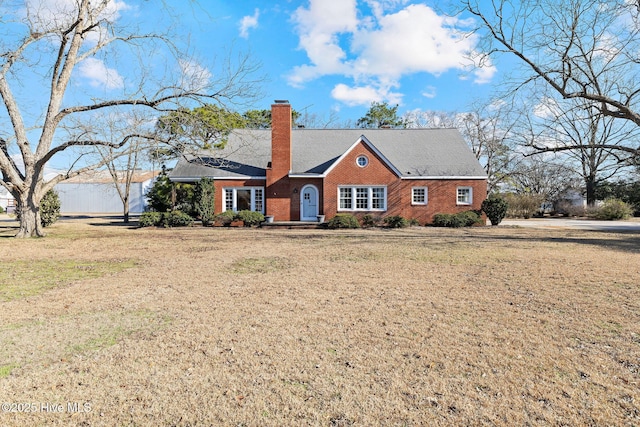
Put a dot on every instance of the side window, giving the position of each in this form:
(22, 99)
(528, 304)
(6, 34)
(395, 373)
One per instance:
(419, 196)
(465, 196)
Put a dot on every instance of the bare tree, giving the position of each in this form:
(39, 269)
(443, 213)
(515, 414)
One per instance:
(586, 138)
(486, 128)
(580, 49)
(54, 48)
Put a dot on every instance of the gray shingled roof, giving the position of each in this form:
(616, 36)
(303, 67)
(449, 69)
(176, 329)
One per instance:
(412, 152)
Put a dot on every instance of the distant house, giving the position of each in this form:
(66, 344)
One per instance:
(298, 174)
(95, 193)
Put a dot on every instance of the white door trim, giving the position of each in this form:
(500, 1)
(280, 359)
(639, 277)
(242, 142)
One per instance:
(317, 195)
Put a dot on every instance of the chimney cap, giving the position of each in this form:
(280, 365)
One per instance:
(281, 101)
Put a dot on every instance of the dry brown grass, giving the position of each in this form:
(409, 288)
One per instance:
(251, 327)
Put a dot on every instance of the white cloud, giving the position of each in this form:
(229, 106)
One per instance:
(195, 77)
(430, 92)
(547, 109)
(46, 15)
(249, 22)
(379, 50)
(99, 74)
(364, 95)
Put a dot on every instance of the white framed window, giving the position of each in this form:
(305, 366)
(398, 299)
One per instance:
(465, 196)
(360, 198)
(346, 202)
(244, 198)
(419, 195)
(362, 161)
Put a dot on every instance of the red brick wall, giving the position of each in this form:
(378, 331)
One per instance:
(220, 185)
(297, 184)
(442, 194)
(279, 189)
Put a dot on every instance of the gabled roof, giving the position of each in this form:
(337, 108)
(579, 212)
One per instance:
(412, 153)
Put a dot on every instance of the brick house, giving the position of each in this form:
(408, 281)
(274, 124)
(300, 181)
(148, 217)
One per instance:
(298, 174)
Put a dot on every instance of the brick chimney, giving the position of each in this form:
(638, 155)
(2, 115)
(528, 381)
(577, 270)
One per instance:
(278, 189)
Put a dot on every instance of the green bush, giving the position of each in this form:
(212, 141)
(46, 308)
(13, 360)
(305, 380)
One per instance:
(496, 209)
(250, 218)
(159, 195)
(176, 219)
(343, 221)
(49, 208)
(226, 217)
(396, 221)
(369, 220)
(204, 200)
(613, 209)
(469, 218)
(150, 219)
(1, 209)
(461, 219)
(447, 220)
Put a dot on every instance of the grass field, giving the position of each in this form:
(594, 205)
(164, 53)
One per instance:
(104, 325)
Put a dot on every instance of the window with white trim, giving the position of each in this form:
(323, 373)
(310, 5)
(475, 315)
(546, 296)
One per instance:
(465, 196)
(358, 198)
(244, 198)
(362, 161)
(419, 196)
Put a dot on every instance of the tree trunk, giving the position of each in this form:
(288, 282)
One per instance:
(30, 224)
(125, 213)
(591, 191)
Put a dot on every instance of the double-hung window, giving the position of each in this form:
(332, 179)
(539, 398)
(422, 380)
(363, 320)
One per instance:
(362, 198)
(419, 196)
(465, 196)
(244, 198)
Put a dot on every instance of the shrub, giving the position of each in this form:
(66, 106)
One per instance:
(369, 220)
(1, 209)
(150, 219)
(413, 222)
(159, 195)
(496, 209)
(469, 218)
(49, 208)
(613, 209)
(250, 218)
(461, 219)
(396, 221)
(226, 217)
(523, 205)
(447, 220)
(343, 221)
(204, 200)
(176, 219)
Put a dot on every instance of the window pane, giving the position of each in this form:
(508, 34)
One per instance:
(377, 198)
(228, 199)
(258, 200)
(345, 198)
(464, 195)
(362, 198)
(243, 199)
(419, 196)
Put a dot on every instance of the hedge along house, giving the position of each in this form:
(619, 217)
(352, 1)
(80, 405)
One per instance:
(298, 174)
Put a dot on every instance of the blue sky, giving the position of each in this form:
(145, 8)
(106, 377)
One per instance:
(329, 58)
(340, 55)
